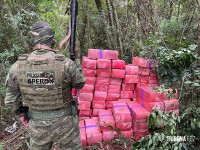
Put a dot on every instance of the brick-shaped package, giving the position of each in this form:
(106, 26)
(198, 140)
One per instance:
(171, 104)
(89, 63)
(106, 120)
(101, 87)
(113, 97)
(115, 81)
(90, 80)
(88, 88)
(118, 64)
(143, 78)
(127, 134)
(99, 104)
(104, 73)
(114, 88)
(126, 94)
(131, 79)
(109, 104)
(128, 86)
(84, 105)
(109, 135)
(153, 78)
(104, 63)
(95, 112)
(131, 70)
(89, 72)
(144, 71)
(85, 96)
(117, 73)
(102, 80)
(124, 126)
(102, 54)
(143, 62)
(82, 133)
(85, 113)
(100, 96)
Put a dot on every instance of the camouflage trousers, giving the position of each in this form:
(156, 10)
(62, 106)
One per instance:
(63, 133)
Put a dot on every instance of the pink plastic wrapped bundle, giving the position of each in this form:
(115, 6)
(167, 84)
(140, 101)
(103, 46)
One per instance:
(124, 126)
(115, 81)
(103, 72)
(125, 100)
(131, 79)
(109, 135)
(89, 63)
(131, 70)
(85, 96)
(117, 73)
(118, 64)
(139, 135)
(85, 113)
(89, 72)
(133, 105)
(98, 104)
(100, 96)
(103, 63)
(153, 79)
(101, 80)
(114, 88)
(84, 105)
(113, 97)
(90, 80)
(92, 131)
(101, 87)
(143, 78)
(109, 104)
(102, 54)
(121, 112)
(171, 104)
(87, 88)
(126, 94)
(96, 112)
(140, 126)
(127, 134)
(144, 71)
(82, 133)
(106, 120)
(142, 62)
(128, 86)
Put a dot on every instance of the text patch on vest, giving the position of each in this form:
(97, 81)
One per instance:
(41, 78)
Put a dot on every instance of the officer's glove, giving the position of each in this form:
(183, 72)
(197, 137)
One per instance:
(24, 118)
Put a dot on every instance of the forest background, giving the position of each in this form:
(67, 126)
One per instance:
(167, 31)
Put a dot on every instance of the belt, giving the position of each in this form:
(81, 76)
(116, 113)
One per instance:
(47, 115)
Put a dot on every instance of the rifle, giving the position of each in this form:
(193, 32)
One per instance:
(73, 11)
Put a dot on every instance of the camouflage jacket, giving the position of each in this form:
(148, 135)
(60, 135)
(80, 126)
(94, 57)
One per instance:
(13, 97)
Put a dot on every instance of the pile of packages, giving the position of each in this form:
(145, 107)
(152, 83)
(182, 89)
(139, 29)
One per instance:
(118, 97)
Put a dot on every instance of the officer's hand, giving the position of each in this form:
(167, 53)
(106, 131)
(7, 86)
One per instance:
(24, 121)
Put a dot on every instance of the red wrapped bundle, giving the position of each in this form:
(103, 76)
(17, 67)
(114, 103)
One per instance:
(109, 104)
(89, 63)
(133, 105)
(124, 126)
(121, 112)
(100, 96)
(144, 71)
(98, 104)
(118, 64)
(102, 54)
(126, 94)
(153, 79)
(132, 70)
(89, 72)
(140, 126)
(103, 72)
(113, 97)
(125, 100)
(104, 63)
(139, 135)
(117, 73)
(131, 79)
(143, 79)
(142, 62)
(90, 80)
(115, 81)
(92, 131)
(85, 113)
(127, 134)
(128, 87)
(87, 88)
(84, 105)
(101, 87)
(106, 120)
(85, 96)
(101, 80)
(82, 133)
(109, 135)
(171, 104)
(114, 88)
(96, 112)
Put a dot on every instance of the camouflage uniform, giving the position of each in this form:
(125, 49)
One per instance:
(43, 129)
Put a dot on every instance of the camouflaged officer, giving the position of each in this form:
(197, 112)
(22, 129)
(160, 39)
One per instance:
(40, 83)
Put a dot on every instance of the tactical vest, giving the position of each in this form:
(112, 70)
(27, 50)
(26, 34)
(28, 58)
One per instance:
(41, 81)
